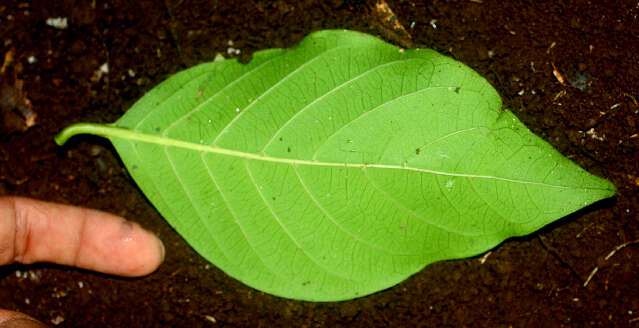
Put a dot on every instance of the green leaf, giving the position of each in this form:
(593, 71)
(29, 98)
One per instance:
(342, 166)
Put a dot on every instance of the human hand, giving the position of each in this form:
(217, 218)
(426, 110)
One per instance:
(36, 231)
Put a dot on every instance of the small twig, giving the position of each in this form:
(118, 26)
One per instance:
(618, 248)
(592, 274)
(610, 254)
(174, 273)
(583, 230)
(634, 100)
(556, 254)
(483, 259)
(557, 74)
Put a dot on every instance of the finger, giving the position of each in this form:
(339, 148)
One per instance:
(10, 319)
(36, 231)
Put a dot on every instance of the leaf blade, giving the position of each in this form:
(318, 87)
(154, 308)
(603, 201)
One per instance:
(342, 166)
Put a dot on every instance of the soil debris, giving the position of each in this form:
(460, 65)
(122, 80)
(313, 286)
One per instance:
(387, 23)
(16, 111)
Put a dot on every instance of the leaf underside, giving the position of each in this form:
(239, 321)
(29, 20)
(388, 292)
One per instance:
(342, 166)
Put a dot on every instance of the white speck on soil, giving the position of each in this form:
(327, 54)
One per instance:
(594, 135)
(57, 320)
(58, 22)
(97, 75)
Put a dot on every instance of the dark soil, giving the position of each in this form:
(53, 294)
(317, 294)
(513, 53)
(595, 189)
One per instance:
(592, 117)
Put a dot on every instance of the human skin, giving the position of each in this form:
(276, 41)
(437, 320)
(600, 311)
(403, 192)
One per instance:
(37, 231)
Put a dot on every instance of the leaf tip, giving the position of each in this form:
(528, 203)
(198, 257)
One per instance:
(612, 190)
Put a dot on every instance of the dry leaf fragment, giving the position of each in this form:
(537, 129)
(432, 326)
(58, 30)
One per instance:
(558, 75)
(15, 108)
(385, 21)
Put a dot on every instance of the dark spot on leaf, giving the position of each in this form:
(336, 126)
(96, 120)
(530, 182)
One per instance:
(417, 151)
(306, 283)
(134, 166)
(281, 139)
(288, 149)
(157, 129)
(457, 89)
(273, 197)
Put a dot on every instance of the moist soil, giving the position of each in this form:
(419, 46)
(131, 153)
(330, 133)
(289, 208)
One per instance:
(568, 69)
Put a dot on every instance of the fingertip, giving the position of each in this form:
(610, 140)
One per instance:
(140, 251)
(37, 231)
(156, 250)
(10, 319)
(112, 245)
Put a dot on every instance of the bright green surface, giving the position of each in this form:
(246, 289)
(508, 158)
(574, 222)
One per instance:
(342, 166)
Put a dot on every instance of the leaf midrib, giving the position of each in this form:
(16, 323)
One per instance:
(111, 131)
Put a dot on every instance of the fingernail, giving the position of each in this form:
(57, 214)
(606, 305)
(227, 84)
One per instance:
(163, 249)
